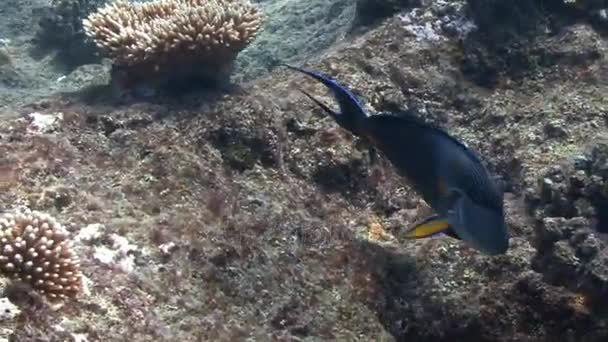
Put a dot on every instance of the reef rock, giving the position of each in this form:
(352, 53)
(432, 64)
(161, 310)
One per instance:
(571, 208)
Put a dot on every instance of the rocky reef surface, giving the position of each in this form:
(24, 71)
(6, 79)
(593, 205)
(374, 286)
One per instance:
(248, 215)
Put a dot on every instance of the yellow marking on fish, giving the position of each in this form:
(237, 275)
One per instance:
(427, 229)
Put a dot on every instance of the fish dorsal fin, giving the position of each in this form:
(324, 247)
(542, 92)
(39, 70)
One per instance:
(411, 118)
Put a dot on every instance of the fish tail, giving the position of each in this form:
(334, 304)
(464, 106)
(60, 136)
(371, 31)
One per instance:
(320, 104)
(351, 113)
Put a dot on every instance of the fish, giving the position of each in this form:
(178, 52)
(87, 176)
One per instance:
(447, 174)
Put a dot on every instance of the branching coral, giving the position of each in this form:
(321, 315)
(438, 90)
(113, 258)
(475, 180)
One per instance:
(34, 249)
(174, 36)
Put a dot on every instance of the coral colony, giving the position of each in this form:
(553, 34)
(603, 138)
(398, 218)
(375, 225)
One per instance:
(34, 249)
(174, 38)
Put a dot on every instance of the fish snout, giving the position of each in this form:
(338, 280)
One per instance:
(483, 228)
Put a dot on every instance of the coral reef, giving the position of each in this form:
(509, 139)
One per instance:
(596, 11)
(60, 28)
(373, 11)
(293, 31)
(251, 216)
(36, 71)
(514, 37)
(173, 41)
(34, 250)
(504, 21)
(571, 208)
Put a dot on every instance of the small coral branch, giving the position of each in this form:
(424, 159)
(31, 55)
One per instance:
(34, 250)
(170, 37)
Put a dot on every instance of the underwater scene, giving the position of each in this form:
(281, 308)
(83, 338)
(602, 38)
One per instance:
(304, 170)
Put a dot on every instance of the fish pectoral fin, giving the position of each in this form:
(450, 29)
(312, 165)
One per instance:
(451, 233)
(429, 227)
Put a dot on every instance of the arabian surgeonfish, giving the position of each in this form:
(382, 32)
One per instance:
(447, 174)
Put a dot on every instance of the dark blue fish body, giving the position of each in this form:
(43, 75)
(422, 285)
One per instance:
(410, 149)
(448, 175)
(427, 155)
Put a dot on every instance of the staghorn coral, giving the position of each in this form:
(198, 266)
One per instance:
(34, 249)
(174, 38)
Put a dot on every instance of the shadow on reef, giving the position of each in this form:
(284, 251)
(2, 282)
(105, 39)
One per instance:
(184, 95)
(403, 307)
(520, 304)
